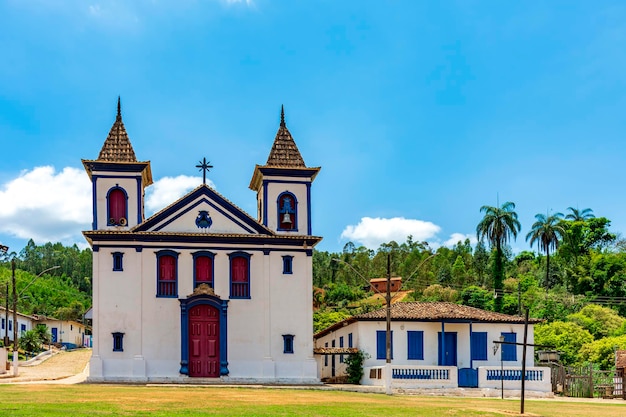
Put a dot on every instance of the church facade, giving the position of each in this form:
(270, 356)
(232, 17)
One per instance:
(201, 291)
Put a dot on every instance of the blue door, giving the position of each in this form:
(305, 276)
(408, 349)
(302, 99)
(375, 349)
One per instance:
(447, 350)
(468, 378)
(54, 334)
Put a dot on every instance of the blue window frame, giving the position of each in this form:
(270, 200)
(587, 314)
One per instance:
(287, 211)
(381, 344)
(479, 346)
(415, 344)
(117, 206)
(3, 324)
(288, 343)
(203, 271)
(22, 329)
(350, 340)
(509, 352)
(239, 275)
(10, 325)
(117, 261)
(287, 264)
(326, 356)
(118, 342)
(341, 345)
(167, 273)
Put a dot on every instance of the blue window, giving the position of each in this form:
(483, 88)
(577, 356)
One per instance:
(10, 325)
(350, 340)
(341, 345)
(117, 261)
(479, 346)
(22, 329)
(415, 348)
(288, 343)
(287, 212)
(287, 264)
(239, 275)
(509, 352)
(167, 273)
(381, 344)
(2, 324)
(118, 342)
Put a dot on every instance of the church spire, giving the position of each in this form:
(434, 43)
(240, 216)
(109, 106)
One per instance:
(117, 147)
(282, 116)
(284, 151)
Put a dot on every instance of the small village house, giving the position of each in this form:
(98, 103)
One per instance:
(434, 345)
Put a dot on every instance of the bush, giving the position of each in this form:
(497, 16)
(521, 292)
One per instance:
(354, 366)
(568, 338)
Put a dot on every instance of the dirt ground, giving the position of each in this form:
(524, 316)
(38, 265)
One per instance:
(60, 366)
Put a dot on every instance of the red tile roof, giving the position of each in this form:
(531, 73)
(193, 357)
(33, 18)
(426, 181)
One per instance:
(117, 147)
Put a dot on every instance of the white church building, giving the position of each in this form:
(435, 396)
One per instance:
(201, 291)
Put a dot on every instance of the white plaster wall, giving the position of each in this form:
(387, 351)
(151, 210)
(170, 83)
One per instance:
(127, 181)
(68, 331)
(325, 371)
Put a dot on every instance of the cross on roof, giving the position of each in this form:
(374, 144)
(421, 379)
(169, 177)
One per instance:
(204, 167)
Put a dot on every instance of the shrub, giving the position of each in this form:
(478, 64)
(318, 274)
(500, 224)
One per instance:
(354, 366)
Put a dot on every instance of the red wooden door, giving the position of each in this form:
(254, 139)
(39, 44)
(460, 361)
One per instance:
(204, 342)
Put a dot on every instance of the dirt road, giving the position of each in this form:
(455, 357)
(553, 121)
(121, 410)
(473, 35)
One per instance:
(57, 368)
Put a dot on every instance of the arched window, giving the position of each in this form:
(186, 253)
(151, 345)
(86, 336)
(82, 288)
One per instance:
(239, 275)
(116, 207)
(203, 268)
(167, 274)
(287, 212)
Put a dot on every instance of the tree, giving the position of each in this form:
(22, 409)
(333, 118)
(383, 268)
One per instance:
(579, 215)
(602, 352)
(30, 341)
(497, 226)
(568, 338)
(597, 320)
(547, 233)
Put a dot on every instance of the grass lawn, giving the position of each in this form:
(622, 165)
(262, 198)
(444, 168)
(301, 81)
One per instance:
(116, 400)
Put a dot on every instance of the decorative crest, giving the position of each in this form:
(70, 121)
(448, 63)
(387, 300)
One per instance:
(204, 167)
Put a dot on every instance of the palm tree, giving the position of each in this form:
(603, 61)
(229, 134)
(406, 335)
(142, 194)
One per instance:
(579, 215)
(548, 232)
(498, 224)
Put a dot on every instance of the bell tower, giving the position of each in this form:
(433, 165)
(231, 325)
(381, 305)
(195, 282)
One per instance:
(118, 181)
(283, 186)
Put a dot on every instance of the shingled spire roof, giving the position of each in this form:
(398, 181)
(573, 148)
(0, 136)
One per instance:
(284, 151)
(117, 147)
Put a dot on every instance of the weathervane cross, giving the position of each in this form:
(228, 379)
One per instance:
(204, 167)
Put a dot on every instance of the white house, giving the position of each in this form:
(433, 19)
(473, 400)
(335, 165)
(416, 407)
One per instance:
(434, 345)
(24, 324)
(67, 332)
(201, 291)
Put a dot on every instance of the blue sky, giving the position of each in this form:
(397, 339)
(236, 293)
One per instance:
(419, 112)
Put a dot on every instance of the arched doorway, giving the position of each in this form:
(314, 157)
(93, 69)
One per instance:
(204, 341)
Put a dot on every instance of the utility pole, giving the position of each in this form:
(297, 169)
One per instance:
(524, 361)
(388, 335)
(15, 352)
(6, 318)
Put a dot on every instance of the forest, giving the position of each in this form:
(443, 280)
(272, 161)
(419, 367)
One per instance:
(575, 283)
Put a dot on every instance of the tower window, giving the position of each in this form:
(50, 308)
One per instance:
(117, 261)
(287, 264)
(287, 212)
(288, 343)
(117, 212)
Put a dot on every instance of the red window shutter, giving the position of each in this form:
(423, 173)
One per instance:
(240, 269)
(204, 265)
(117, 205)
(167, 268)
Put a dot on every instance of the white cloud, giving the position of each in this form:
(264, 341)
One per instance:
(459, 237)
(169, 189)
(371, 232)
(49, 206)
(46, 205)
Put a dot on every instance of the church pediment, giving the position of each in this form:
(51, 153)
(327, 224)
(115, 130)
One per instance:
(203, 211)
